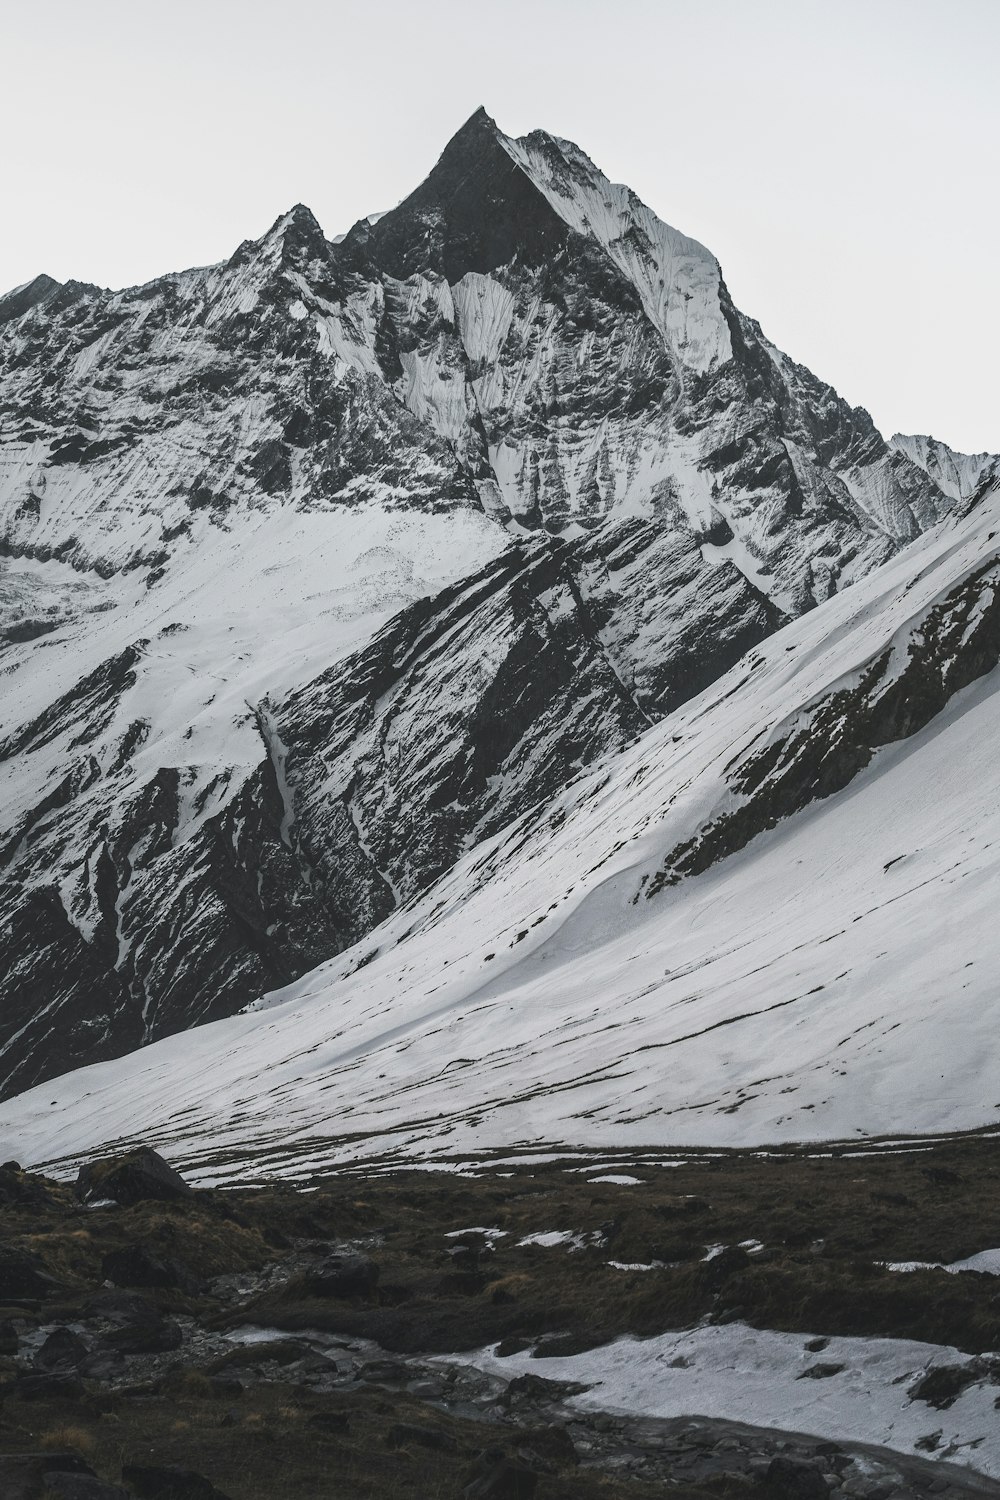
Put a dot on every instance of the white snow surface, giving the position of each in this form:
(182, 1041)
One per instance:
(985, 1262)
(676, 277)
(834, 979)
(753, 1375)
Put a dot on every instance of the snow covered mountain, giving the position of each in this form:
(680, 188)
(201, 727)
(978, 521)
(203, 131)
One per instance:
(769, 918)
(324, 565)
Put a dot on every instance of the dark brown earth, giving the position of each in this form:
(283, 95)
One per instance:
(122, 1327)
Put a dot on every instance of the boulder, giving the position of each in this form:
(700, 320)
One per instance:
(138, 1265)
(499, 1478)
(62, 1350)
(19, 1190)
(159, 1337)
(345, 1276)
(942, 1386)
(133, 1178)
(22, 1276)
(23, 1474)
(121, 1307)
(794, 1479)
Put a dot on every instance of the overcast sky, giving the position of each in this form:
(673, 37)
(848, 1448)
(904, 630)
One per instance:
(840, 157)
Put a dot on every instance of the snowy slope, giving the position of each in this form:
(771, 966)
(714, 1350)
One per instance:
(768, 919)
(224, 494)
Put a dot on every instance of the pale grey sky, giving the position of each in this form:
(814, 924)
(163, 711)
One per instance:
(840, 157)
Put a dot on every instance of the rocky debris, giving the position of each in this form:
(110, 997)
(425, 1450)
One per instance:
(136, 1177)
(538, 1391)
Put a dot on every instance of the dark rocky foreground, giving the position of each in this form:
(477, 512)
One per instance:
(271, 1341)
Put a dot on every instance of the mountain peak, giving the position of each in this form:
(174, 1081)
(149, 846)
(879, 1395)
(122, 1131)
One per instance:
(475, 211)
(30, 294)
(295, 235)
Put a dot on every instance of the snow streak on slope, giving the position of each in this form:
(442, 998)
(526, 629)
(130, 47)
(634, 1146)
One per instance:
(571, 980)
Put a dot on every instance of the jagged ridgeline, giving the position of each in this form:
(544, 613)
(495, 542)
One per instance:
(324, 564)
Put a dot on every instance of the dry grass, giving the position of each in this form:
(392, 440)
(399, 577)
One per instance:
(69, 1437)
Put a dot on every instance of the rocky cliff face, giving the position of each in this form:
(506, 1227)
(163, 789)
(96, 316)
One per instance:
(321, 565)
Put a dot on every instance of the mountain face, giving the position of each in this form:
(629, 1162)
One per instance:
(769, 918)
(324, 565)
(963, 476)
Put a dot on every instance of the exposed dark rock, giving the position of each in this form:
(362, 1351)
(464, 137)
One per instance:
(22, 1475)
(63, 1349)
(145, 1338)
(942, 1386)
(22, 1276)
(138, 1265)
(343, 1276)
(139, 1176)
(499, 1478)
(794, 1479)
(402, 1434)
